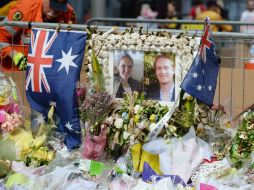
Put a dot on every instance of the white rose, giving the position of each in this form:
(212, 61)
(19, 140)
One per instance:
(152, 126)
(118, 123)
(153, 48)
(139, 47)
(145, 48)
(126, 135)
(135, 36)
(137, 108)
(139, 42)
(143, 37)
(109, 46)
(124, 47)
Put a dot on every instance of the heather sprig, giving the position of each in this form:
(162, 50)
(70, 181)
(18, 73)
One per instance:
(95, 108)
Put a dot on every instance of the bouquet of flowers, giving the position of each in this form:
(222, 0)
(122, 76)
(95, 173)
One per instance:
(209, 123)
(10, 117)
(243, 142)
(94, 107)
(93, 111)
(131, 122)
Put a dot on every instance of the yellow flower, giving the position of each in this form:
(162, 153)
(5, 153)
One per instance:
(153, 118)
(136, 118)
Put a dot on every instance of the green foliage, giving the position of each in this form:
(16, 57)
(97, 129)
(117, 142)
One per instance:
(98, 77)
(183, 118)
(243, 143)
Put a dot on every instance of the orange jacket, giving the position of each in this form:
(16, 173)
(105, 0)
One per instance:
(15, 38)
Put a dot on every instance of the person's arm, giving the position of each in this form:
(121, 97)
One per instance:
(71, 17)
(242, 27)
(10, 35)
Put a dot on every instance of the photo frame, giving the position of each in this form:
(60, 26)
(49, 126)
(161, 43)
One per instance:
(107, 45)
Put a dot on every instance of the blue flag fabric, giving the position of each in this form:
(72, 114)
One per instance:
(201, 79)
(54, 65)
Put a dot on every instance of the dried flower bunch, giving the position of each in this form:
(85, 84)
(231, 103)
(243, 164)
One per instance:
(94, 109)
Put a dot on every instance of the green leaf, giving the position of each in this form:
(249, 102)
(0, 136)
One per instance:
(8, 150)
(98, 78)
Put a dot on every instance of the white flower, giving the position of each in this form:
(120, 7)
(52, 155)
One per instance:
(243, 136)
(104, 54)
(124, 47)
(126, 135)
(153, 48)
(135, 36)
(118, 123)
(132, 47)
(143, 37)
(152, 126)
(168, 48)
(112, 41)
(145, 48)
(109, 46)
(186, 96)
(139, 47)
(139, 42)
(137, 108)
(104, 48)
(93, 35)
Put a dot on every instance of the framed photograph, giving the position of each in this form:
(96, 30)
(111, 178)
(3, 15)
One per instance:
(160, 77)
(142, 51)
(127, 69)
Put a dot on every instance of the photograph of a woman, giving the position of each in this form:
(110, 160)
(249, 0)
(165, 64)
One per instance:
(128, 72)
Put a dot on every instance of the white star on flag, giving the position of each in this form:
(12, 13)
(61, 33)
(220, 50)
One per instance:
(51, 103)
(67, 61)
(68, 126)
(40, 119)
(199, 87)
(195, 75)
(210, 88)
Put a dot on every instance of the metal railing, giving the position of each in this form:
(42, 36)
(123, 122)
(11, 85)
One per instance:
(235, 83)
(81, 27)
(104, 20)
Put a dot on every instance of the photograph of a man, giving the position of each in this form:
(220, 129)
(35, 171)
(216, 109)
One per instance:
(164, 70)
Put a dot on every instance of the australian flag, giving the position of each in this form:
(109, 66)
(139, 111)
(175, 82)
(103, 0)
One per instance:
(54, 65)
(201, 79)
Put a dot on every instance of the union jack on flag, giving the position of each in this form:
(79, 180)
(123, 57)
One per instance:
(201, 79)
(206, 42)
(54, 65)
(38, 60)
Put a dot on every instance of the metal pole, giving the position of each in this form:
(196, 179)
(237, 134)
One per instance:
(98, 8)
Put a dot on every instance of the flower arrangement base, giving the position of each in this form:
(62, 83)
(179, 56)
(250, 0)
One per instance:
(94, 145)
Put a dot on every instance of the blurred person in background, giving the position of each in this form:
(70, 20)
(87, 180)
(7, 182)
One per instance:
(171, 15)
(197, 8)
(83, 10)
(223, 10)
(5, 6)
(248, 16)
(146, 12)
(213, 11)
(128, 8)
(14, 40)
